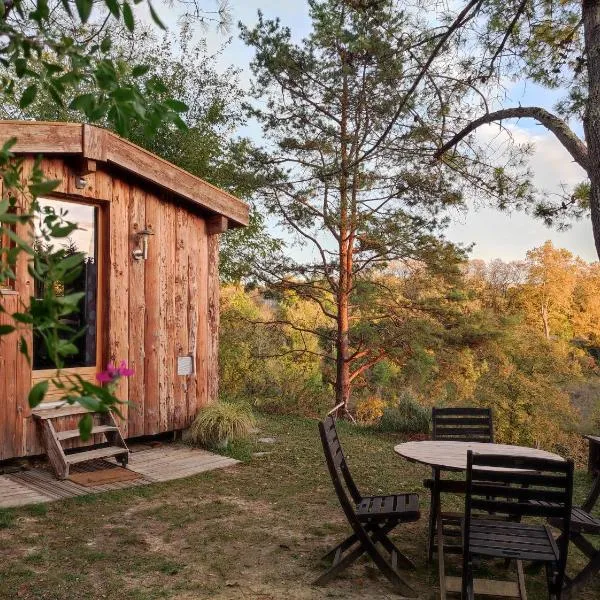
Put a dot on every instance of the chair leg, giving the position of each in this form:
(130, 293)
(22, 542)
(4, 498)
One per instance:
(583, 578)
(380, 533)
(467, 592)
(368, 545)
(349, 541)
(352, 539)
(521, 581)
(390, 572)
(339, 565)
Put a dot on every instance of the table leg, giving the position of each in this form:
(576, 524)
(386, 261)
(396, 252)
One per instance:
(433, 511)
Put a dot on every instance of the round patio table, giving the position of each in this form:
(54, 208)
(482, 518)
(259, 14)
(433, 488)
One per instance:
(452, 456)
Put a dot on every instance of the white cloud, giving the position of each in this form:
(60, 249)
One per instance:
(509, 236)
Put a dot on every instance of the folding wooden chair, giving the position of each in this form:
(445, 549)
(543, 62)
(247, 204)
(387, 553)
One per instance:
(461, 424)
(544, 489)
(371, 519)
(583, 524)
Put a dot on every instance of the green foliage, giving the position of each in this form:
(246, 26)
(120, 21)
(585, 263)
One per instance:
(267, 364)
(57, 52)
(220, 423)
(406, 416)
(482, 346)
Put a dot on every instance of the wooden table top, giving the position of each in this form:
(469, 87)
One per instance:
(452, 456)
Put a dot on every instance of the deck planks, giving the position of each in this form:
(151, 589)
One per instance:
(165, 463)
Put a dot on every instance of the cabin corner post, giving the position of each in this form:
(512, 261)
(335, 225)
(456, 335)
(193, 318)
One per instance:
(212, 349)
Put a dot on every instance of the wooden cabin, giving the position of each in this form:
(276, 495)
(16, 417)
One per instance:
(150, 233)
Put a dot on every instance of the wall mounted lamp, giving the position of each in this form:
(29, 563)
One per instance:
(141, 253)
(80, 182)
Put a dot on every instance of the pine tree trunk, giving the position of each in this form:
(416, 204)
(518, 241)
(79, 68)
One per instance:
(342, 384)
(591, 122)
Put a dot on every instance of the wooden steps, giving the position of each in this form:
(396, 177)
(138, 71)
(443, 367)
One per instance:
(113, 444)
(104, 452)
(55, 412)
(74, 433)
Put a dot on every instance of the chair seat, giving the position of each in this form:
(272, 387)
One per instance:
(403, 507)
(581, 522)
(512, 540)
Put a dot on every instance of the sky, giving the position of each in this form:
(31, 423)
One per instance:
(494, 234)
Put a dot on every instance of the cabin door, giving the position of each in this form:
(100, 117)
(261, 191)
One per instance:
(87, 352)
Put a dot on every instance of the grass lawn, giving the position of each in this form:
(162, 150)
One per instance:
(254, 531)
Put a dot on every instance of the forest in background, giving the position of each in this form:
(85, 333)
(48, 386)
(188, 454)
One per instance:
(522, 337)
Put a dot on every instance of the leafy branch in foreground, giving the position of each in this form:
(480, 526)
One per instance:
(50, 48)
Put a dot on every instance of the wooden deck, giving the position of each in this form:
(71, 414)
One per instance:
(164, 463)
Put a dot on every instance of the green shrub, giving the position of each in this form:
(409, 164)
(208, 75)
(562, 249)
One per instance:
(220, 423)
(407, 416)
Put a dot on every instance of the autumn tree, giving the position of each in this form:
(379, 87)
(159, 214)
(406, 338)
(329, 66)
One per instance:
(548, 293)
(585, 312)
(344, 172)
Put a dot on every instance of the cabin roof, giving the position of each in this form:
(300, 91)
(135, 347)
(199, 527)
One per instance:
(102, 146)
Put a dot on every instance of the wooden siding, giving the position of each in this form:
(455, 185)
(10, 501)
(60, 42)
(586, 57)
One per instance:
(154, 311)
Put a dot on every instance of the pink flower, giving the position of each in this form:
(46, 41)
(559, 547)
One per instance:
(113, 373)
(104, 377)
(124, 371)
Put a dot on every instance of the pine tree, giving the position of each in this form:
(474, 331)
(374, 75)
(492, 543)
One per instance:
(346, 172)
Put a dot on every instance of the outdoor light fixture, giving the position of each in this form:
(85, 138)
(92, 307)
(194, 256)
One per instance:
(142, 252)
(80, 182)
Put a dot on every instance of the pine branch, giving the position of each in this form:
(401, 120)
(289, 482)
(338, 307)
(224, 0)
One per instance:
(565, 135)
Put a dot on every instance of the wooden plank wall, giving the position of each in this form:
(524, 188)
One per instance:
(154, 310)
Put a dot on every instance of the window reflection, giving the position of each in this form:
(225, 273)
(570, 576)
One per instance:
(83, 239)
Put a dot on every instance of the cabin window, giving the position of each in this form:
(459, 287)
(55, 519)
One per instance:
(84, 239)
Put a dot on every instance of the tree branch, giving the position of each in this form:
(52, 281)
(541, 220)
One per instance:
(573, 144)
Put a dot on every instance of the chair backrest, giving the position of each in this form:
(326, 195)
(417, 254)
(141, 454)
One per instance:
(462, 424)
(341, 477)
(519, 486)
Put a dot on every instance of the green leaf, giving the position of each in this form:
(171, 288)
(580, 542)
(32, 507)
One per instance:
(140, 70)
(43, 187)
(155, 16)
(90, 403)
(84, 8)
(28, 96)
(6, 329)
(20, 67)
(113, 6)
(22, 317)
(128, 16)
(37, 393)
(70, 262)
(84, 102)
(23, 349)
(106, 44)
(176, 105)
(86, 424)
